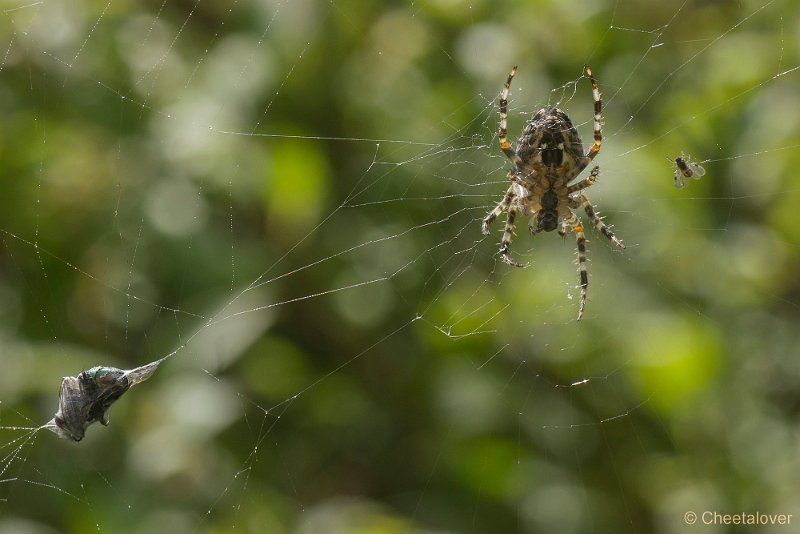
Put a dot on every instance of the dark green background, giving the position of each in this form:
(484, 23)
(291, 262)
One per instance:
(289, 195)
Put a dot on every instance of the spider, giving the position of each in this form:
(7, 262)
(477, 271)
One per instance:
(549, 155)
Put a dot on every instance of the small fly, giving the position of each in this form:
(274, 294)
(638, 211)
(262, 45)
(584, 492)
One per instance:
(686, 169)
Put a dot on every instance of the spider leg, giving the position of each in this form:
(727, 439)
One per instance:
(582, 201)
(533, 224)
(503, 134)
(500, 208)
(508, 234)
(588, 182)
(577, 227)
(563, 230)
(508, 205)
(598, 117)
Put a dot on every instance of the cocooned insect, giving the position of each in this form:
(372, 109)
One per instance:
(85, 399)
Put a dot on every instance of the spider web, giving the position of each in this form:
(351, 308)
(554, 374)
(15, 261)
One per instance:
(284, 200)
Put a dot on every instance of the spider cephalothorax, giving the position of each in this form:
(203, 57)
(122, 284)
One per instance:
(548, 156)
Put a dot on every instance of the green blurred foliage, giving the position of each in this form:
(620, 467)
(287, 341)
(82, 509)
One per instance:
(287, 195)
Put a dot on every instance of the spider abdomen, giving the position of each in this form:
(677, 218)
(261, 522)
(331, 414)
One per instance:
(549, 140)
